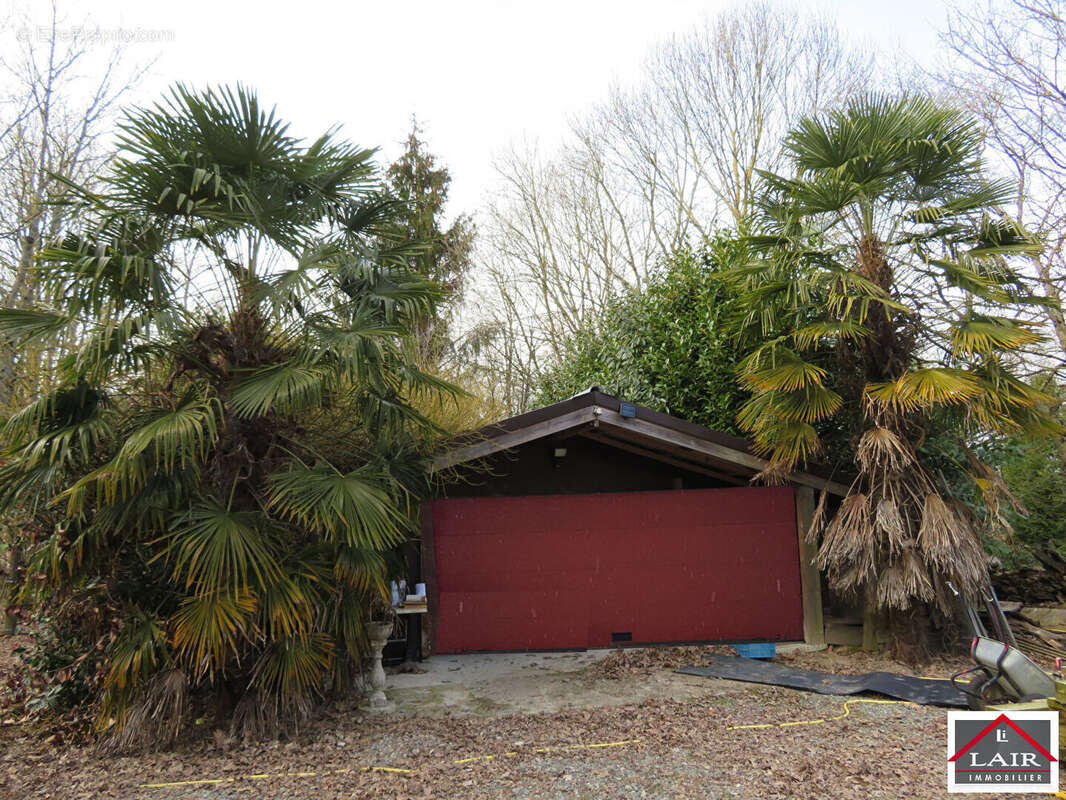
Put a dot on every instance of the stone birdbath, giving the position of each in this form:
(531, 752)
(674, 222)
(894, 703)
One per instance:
(378, 634)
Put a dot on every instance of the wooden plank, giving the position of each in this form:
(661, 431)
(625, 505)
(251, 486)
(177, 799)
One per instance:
(810, 580)
(429, 575)
(752, 462)
(1030, 705)
(840, 634)
(549, 427)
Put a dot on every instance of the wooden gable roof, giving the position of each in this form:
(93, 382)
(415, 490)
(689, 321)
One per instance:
(640, 430)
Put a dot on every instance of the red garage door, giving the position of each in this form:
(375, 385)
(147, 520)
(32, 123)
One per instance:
(574, 571)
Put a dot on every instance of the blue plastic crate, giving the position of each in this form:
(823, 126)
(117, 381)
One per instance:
(756, 649)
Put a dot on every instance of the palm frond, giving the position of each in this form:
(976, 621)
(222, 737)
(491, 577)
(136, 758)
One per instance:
(787, 374)
(139, 650)
(345, 507)
(108, 270)
(981, 335)
(160, 439)
(24, 324)
(287, 607)
(215, 549)
(925, 388)
(285, 386)
(63, 407)
(174, 435)
(810, 403)
(109, 347)
(207, 628)
(846, 329)
(294, 665)
(360, 568)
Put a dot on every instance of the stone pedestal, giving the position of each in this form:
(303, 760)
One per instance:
(378, 633)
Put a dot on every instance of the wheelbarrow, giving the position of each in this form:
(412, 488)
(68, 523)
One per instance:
(1001, 673)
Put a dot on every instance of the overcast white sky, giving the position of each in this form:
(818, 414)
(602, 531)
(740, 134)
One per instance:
(477, 74)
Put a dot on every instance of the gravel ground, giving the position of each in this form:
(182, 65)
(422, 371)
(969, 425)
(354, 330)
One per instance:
(684, 748)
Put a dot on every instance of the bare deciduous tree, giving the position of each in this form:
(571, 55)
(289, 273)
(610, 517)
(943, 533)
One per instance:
(60, 117)
(1008, 61)
(654, 167)
(52, 122)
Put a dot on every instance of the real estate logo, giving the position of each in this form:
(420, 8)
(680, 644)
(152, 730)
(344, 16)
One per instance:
(1001, 752)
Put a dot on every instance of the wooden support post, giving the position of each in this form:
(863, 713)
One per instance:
(810, 580)
(429, 576)
(413, 623)
(869, 626)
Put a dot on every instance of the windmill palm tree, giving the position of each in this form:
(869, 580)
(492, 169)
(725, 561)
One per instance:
(886, 299)
(229, 454)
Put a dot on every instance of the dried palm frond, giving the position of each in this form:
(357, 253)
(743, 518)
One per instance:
(847, 581)
(851, 523)
(903, 582)
(817, 519)
(259, 715)
(940, 531)
(155, 717)
(950, 545)
(881, 450)
(847, 537)
(889, 521)
(775, 473)
(994, 491)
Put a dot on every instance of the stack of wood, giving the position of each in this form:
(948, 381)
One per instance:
(1046, 584)
(1040, 631)
(1034, 600)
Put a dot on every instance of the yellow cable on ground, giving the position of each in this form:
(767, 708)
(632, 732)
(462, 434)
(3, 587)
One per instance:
(556, 748)
(265, 775)
(598, 745)
(847, 712)
(551, 749)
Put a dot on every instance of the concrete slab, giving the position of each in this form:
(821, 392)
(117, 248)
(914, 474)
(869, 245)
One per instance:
(469, 668)
(526, 683)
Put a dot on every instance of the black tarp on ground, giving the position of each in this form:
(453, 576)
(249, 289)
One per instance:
(927, 691)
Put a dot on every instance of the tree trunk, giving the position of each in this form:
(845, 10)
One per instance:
(10, 627)
(1054, 312)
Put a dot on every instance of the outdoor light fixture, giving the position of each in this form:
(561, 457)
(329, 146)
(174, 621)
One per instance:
(628, 410)
(560, 452)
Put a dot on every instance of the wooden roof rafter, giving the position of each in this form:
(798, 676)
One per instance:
(681, 463)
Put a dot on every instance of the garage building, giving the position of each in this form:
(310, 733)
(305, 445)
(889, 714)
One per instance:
(593, 523)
